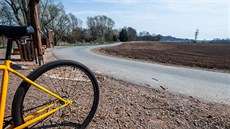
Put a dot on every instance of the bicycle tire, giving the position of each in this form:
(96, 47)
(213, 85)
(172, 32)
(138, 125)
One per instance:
(58, 72)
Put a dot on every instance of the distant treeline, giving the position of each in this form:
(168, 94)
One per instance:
(221, 41)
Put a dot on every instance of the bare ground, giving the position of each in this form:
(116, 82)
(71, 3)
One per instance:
(208, 56)
(124, 105)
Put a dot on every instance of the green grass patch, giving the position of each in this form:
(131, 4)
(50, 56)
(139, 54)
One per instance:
(84, 44)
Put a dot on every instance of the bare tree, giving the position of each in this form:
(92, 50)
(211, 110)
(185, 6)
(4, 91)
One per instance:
(6, 14)
(17, 10)
(54, 17)
(100, 26)
(59, 25)
(74, 22)
(48, 12)
(51, 15)
(74, 31)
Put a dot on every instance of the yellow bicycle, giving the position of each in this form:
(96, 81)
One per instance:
(59, 94)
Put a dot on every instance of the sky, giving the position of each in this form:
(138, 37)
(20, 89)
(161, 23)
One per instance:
(178, 18)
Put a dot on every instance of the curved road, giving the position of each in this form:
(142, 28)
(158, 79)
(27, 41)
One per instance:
(207, 85)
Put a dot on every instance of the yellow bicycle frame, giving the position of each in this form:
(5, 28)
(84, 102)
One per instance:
(37, 115)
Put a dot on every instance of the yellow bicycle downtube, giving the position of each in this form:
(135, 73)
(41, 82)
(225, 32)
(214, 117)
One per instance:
(4, 88)
(37, 85)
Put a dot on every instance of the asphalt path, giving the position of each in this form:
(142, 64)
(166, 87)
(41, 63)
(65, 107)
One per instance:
(202, 84)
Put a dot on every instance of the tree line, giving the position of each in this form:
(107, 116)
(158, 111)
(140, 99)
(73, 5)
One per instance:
(66, 26)
(220, 41)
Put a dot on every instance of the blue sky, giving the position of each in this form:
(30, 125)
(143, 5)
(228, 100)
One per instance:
(179, 18)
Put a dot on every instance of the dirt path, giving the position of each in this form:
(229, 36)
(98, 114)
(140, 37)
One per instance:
(124, 105)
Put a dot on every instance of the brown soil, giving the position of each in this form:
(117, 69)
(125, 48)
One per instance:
(210, 56)
(124, 105)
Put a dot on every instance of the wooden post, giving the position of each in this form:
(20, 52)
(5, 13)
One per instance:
(50, 39)
(33, 49)
(30, 48)
(25, 52)
(20, 49)
(36, 36)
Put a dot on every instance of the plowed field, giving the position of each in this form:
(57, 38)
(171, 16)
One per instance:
(211, 56)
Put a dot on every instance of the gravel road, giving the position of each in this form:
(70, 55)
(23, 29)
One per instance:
(206, 85)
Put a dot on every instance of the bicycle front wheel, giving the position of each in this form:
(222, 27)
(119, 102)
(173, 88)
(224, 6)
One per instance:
(70, 80)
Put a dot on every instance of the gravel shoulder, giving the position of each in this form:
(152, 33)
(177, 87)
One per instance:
(125, 105)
